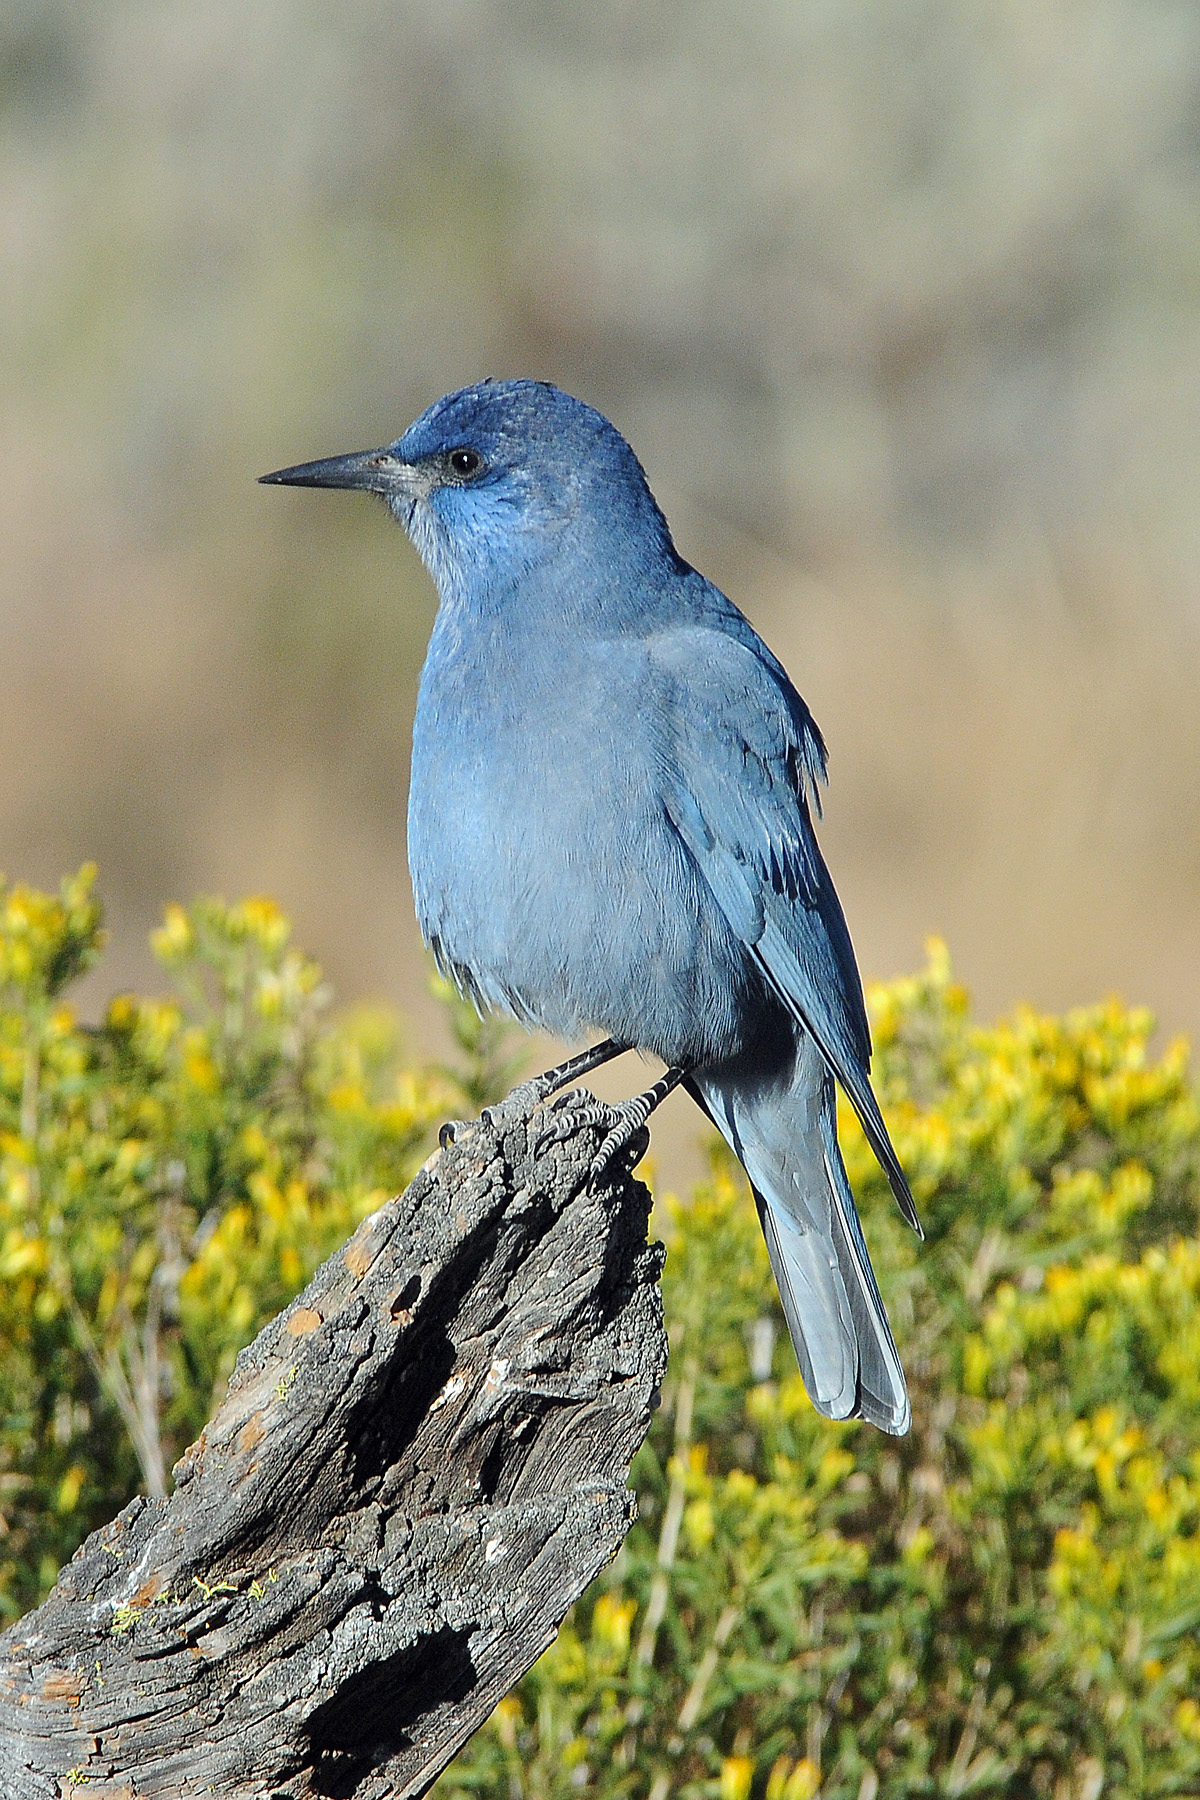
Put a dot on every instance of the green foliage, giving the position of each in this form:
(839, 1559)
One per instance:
(1004, 1603)
(168, 1180)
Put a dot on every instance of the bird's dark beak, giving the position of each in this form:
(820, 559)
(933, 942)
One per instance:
(373, 471)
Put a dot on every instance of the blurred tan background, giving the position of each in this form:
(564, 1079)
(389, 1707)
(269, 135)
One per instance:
(899, 303)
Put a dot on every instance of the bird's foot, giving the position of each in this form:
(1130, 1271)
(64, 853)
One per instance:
(624, 1125)
(581, 1111)
(576, 1111)
(627, 1136)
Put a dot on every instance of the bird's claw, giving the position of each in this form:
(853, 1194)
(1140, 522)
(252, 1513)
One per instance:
(567, 1115)
(628, 1135)
(453, 1129)
(624, 1128)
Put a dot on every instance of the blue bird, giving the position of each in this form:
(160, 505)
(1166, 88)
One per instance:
(610, 828)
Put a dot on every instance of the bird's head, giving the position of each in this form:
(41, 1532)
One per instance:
(492, 478)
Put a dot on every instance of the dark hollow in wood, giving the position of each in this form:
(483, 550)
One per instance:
(418, 1467)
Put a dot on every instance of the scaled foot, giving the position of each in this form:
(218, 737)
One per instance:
(624, 1125)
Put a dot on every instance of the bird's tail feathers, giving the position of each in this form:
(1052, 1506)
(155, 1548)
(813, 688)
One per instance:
(786, 1139)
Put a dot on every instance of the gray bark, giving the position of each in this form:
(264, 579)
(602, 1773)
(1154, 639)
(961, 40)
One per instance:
(418, 1467)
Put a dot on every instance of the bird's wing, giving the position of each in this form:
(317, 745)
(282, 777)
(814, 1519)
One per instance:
(741, 757)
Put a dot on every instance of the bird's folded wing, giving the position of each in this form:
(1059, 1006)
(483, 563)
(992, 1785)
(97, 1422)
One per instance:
(741, 757)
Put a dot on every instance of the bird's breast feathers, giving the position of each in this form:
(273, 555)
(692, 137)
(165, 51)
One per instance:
(566, 847)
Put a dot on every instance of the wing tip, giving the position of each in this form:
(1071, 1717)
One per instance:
(912, 1216)
(898, 1182)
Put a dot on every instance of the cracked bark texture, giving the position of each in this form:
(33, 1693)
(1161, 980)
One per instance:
(418, 1467)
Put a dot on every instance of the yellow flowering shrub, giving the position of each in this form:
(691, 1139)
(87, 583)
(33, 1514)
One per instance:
(168, 1179)
(1005, 1603)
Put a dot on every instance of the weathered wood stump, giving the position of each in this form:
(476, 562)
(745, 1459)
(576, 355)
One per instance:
(417, 1469)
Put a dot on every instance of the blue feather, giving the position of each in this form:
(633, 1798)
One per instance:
(611, 825)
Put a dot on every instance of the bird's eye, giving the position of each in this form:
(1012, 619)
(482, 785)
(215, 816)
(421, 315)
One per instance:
(465, 462)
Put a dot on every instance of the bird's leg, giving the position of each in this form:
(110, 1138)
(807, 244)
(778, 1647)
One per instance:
(623, 1124)
(540, 1087)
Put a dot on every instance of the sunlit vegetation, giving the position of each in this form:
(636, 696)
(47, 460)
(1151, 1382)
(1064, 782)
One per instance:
(1004, 1603)
(168, 1179)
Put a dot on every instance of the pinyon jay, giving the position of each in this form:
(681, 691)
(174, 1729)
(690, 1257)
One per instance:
(610, 829)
